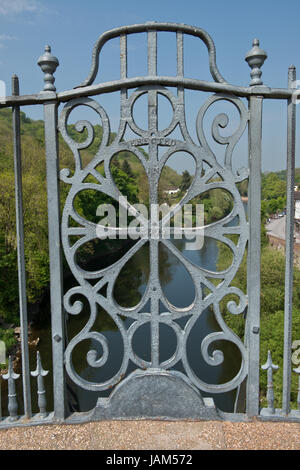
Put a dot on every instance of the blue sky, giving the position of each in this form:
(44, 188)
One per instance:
(71, 27)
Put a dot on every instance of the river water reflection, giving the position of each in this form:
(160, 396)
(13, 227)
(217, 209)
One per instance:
(179, 289)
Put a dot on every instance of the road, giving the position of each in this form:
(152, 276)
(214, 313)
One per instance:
(276, 228)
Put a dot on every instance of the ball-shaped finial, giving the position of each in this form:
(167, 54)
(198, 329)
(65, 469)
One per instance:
(48, 64)
(255, 59)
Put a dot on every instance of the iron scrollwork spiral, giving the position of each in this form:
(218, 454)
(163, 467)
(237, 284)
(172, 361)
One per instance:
(90, 283)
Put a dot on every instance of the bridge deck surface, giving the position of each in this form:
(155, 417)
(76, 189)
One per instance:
(155, 435)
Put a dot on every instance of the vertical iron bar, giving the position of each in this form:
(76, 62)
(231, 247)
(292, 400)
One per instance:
(154, 244)
(56, 288)
(20, 251)
(152, 53)
(123, 55)
(179, 37)
(152, 94)
(289, 246)
(123, 65)
(153, 156)
(180, 64)
(253, 275)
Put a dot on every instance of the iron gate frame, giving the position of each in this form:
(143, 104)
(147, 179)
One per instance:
(255, 93)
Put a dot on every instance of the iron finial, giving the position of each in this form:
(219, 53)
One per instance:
(255, 59)
(11, 377)
(269, 367)
(40, 373)
(15, 85)
(48, 64)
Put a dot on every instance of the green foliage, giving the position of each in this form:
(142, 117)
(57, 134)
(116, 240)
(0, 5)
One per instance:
(272, 307)
(126, 185)
(282, 175)
(170, 178)
(272, 187)
(272, 290)
(272, 327)
(7, 335)
(216, 213)
(127, 168)
(132, 183)
(273, 194)
(217, 204)
(185, 181)
(8, 282)
(131, 180)
(35, 207)
(243, 187)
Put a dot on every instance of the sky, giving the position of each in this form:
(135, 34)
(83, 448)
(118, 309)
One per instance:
(72, 27)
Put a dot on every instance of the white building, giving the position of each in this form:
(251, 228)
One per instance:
(172, 191)
(297, 211)
(297, 205)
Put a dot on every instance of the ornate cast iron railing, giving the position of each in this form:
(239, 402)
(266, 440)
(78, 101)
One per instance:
(154, 389)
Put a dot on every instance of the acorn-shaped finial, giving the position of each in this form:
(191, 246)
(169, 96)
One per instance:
(48, 64)
(255, 59)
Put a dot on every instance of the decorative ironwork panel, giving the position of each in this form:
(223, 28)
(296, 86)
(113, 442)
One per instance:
(156, 387)
(210, 174)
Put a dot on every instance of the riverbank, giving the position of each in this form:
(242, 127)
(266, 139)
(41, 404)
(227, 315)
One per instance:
(155, 435)
(40, 309)
(132, 282)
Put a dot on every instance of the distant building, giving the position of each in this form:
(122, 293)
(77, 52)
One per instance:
(297, 210)
(172, 191)
(297, 204)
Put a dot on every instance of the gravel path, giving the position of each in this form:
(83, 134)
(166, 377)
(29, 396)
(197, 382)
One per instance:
(155, 435)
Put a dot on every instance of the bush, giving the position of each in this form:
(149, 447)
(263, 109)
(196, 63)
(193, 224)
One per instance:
(272, 314)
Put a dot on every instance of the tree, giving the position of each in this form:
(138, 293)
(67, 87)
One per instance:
(127, 168)
(272, 311)
(186, 181)
(273, 187)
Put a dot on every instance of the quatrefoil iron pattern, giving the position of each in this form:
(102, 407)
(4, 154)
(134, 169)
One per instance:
(216, 176)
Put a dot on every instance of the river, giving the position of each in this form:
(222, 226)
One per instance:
(179, 290)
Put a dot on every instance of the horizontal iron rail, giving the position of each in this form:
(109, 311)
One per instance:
(117, 85)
